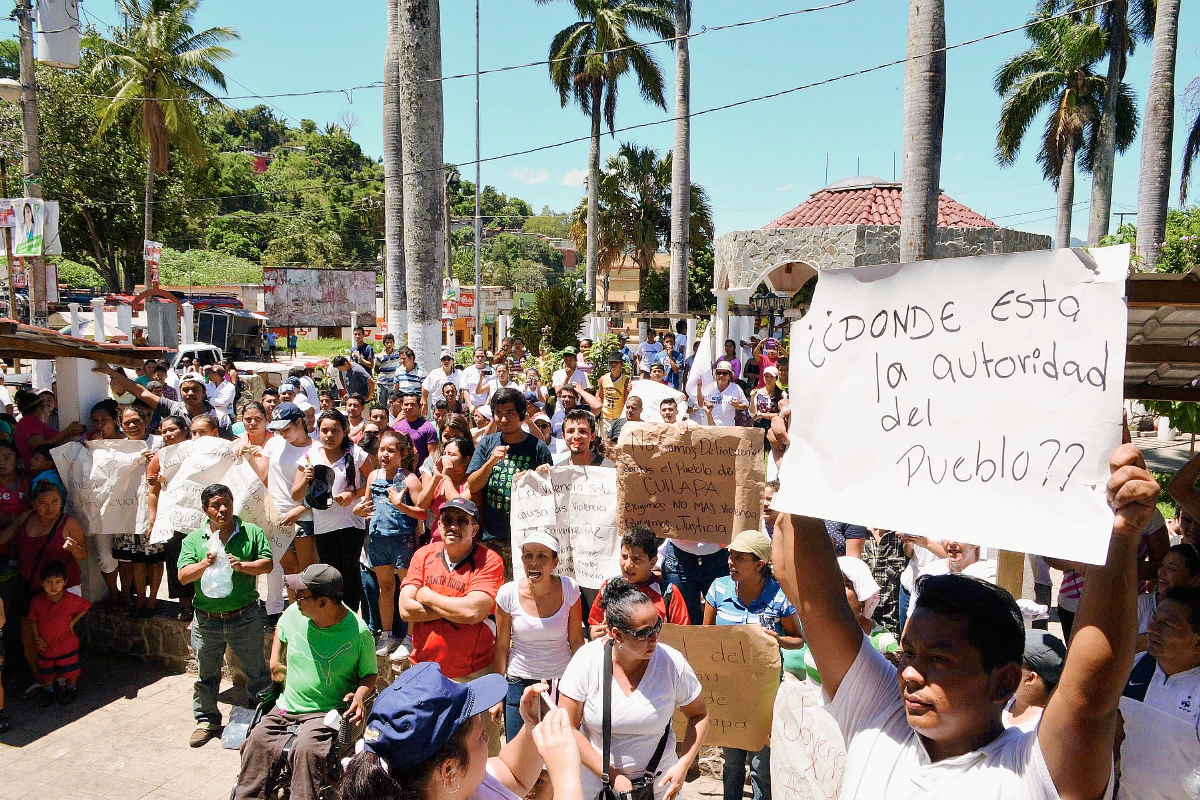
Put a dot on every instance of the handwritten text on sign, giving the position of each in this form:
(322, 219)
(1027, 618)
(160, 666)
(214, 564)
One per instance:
(984, 389)
(808, 753)
(577, 506)
(738, 668)
(705, 484)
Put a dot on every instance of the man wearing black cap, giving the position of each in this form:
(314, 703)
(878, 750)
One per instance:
(1041, 668)
(324, 655)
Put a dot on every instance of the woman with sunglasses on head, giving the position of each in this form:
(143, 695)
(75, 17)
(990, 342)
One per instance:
(648, 682)
(339, 531)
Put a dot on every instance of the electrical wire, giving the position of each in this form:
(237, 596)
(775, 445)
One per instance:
(692, 115)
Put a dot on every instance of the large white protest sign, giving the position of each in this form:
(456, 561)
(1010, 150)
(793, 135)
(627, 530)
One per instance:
(189, 466)
(102, 479)
(652, 394)
(577, 506)
(1158, 751)
(808, 752)
(980, 392)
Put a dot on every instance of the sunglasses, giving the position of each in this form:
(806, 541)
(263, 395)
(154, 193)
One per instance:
(645, 634)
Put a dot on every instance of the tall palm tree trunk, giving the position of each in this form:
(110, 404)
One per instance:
(924, 113)
(422, 129)
(681, 162)
(148, 220)
(396, 298)
(593, 209)
(1106, 144)
(1066, 195)
(1154, 183)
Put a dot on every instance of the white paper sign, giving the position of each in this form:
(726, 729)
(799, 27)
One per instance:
(652, 395)
(577, 506)
(102, 479)
(808, 753)
(982, 389)
(1158, 751)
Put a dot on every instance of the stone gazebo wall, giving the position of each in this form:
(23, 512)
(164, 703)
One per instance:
(743, 258)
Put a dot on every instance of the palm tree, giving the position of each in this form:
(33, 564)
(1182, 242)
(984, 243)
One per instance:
(422, 128)
(1191, 148)
(393, 181)
(161, 62)
(924, 114)
(1154, 183)
(1057, 73)
(634, 209)
(587, 58)
(681, 172)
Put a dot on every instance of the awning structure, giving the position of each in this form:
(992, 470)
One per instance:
(235, 312)
(28, 342)
(1162, 358)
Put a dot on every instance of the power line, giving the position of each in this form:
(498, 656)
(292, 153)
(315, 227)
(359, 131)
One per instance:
(724, 107)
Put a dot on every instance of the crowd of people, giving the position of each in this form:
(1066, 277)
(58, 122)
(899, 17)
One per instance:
(398, 482)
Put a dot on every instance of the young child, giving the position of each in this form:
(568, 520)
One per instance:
(392, 537)
(5, 722)
(53, 615)
(41, 467)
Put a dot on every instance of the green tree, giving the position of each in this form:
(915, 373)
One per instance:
(1057, 72)
(587, 59)
(10, 59)
(548, 223)
(1180, 250)
(634, 210)
(554, 319)
(159, 61)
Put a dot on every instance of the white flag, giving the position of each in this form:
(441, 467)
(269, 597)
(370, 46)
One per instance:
(701, 374)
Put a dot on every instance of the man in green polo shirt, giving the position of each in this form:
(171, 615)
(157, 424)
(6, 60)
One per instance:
(324, 654)
(236, 620)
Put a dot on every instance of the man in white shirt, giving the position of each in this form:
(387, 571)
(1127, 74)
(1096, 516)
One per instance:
(932, 727)
(431, 389)
(219, 390)
(646, 352)
(285, 457)
(570, 372)
(477, 380)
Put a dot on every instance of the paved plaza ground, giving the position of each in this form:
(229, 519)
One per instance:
(126, 737)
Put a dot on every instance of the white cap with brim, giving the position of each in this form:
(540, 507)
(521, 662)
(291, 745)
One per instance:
(544, 539)
(192, 376)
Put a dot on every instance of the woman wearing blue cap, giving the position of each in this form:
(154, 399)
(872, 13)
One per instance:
(425, 740)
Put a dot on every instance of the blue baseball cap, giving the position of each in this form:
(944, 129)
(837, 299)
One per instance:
(285, 414)
(415, 716)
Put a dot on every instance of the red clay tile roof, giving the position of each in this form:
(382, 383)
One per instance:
(870, 201)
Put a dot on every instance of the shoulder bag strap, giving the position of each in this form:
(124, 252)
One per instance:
(658, 751)
(37, 562)
(607, 728)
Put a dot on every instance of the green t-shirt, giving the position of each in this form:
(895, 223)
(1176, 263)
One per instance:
(323, 664)
(248, 543)
(801, 664)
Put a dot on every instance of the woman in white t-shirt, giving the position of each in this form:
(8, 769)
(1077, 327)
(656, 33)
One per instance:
(339, 531)
(649, 681)
(722, 403)
(539, 625)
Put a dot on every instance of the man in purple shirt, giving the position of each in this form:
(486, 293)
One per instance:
(417, 427)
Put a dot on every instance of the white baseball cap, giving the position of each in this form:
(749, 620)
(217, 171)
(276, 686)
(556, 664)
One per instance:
(544, 539)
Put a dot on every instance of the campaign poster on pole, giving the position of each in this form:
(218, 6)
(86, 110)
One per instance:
(27, 234)
(985, 389)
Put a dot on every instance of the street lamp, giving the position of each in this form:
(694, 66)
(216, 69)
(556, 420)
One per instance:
(768, 304)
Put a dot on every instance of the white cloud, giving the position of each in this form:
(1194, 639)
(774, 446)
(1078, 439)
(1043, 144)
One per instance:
(787, 187)
(576, 177)
(529, 175)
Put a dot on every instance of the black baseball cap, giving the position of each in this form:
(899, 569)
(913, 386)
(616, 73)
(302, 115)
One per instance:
(320, 579)
(1045, 654)
(285, 414)
(463, 503)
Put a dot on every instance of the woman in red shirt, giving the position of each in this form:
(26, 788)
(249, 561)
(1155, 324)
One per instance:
(33, 428)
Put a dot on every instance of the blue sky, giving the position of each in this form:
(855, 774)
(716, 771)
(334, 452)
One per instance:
(757, 161)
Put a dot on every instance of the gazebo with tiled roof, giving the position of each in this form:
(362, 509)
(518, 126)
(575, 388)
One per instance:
(854, 222)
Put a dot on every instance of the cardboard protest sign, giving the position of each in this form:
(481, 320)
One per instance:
(577, 506)
(986, 388)
(705, 484)
(652, 395)
(102, 479)
(738, 668)
(808, 753)
(253, 504)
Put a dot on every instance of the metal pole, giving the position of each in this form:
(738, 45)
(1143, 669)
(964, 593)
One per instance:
(478, 219)
(31, 166)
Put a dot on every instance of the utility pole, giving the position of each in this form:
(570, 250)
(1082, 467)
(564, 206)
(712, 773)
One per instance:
(478, 189)
(31, 163)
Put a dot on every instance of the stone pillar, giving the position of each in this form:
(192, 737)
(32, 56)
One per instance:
(189, 324)
(125, 319)
(501, 326)
(75, 321)
(98, 327)
(690, 336)
(722, 320)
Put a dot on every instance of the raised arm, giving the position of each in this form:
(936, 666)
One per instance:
(1077, 729)
(593, 402)
(123, 383)
(807, 569)
(1183, 487)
